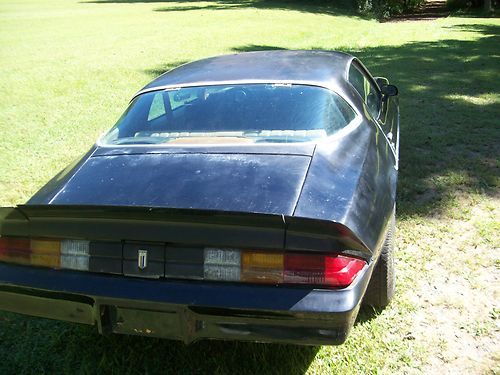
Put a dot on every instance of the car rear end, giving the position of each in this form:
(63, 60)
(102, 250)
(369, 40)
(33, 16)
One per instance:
(183, 274)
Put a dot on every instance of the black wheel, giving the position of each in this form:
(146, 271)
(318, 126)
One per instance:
(383, 282)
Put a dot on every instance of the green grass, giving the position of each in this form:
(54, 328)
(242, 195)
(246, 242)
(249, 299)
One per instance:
(68, 69)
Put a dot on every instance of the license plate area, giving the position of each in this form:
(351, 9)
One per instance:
(145, 322)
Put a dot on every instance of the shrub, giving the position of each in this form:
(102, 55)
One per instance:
(386, 8)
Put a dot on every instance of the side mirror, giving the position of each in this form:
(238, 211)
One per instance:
(389, 90)
(381, 81)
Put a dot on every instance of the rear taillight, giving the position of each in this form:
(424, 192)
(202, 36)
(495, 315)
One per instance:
(210, 263)
(45, 253)
(75, 254)
(69, 254)
(262, 267)
(331, 270)
(15, 250)
(222, 264)
(268, 267)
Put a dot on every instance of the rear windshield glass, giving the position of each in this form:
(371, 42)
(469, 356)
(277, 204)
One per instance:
(232, 113)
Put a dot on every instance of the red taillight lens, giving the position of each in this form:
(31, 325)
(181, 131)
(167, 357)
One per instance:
(328, 270)
(15, 250)
(341, 270)
(304, 269)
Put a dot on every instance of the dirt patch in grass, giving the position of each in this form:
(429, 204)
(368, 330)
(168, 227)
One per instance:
(457, 296)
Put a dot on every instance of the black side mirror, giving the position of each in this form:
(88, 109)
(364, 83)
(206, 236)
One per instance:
(389, 90)
(381, 81)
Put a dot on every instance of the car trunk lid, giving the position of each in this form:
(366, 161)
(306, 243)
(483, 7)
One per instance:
(261, 183)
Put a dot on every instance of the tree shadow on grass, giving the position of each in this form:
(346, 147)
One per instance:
(450, 111)
(163, 68)
(338, 7)
(59, 347)
(449, 116)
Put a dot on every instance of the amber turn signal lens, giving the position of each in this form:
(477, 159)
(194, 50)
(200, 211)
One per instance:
(262, 267)
(45, 253)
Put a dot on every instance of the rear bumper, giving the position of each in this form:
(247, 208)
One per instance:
(184, 310)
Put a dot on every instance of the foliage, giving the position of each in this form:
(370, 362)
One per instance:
(387, 8)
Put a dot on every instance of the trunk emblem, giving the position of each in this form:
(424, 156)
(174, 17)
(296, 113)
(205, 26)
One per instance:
(142, 259)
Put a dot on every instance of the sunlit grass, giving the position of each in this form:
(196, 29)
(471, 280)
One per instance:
(483, 99)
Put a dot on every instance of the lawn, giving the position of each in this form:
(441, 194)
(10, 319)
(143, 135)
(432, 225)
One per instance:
(68, 69)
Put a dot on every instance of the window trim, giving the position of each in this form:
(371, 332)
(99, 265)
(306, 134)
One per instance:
(354, 122)
(361, 68)
(378, 123)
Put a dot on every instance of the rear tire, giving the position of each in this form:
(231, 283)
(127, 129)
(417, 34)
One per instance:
(383, 282)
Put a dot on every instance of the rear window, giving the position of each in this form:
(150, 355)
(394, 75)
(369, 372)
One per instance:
(232, 113)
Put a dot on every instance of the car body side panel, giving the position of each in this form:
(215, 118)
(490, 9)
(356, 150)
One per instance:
(374, 198)
(354, 183)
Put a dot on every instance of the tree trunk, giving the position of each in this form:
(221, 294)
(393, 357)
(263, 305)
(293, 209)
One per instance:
(487, 6)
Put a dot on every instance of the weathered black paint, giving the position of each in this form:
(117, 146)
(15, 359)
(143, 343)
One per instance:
(335, 195)
(228, 182)
(319, 68)
(350, 180)
(106, 257)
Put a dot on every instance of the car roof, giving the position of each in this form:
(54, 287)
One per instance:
(320, 68)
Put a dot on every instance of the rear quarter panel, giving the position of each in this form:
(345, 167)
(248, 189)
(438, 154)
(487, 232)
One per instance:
(352, 180)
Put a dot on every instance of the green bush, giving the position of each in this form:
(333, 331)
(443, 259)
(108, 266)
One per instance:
(386, 8)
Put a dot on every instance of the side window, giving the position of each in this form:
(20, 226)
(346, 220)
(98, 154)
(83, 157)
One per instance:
(366, 89)
(358, 81)
(157, 108)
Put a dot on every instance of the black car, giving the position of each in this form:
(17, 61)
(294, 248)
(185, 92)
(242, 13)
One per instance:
(243, 197)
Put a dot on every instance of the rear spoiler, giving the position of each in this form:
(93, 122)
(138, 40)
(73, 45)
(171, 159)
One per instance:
(183, 226)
